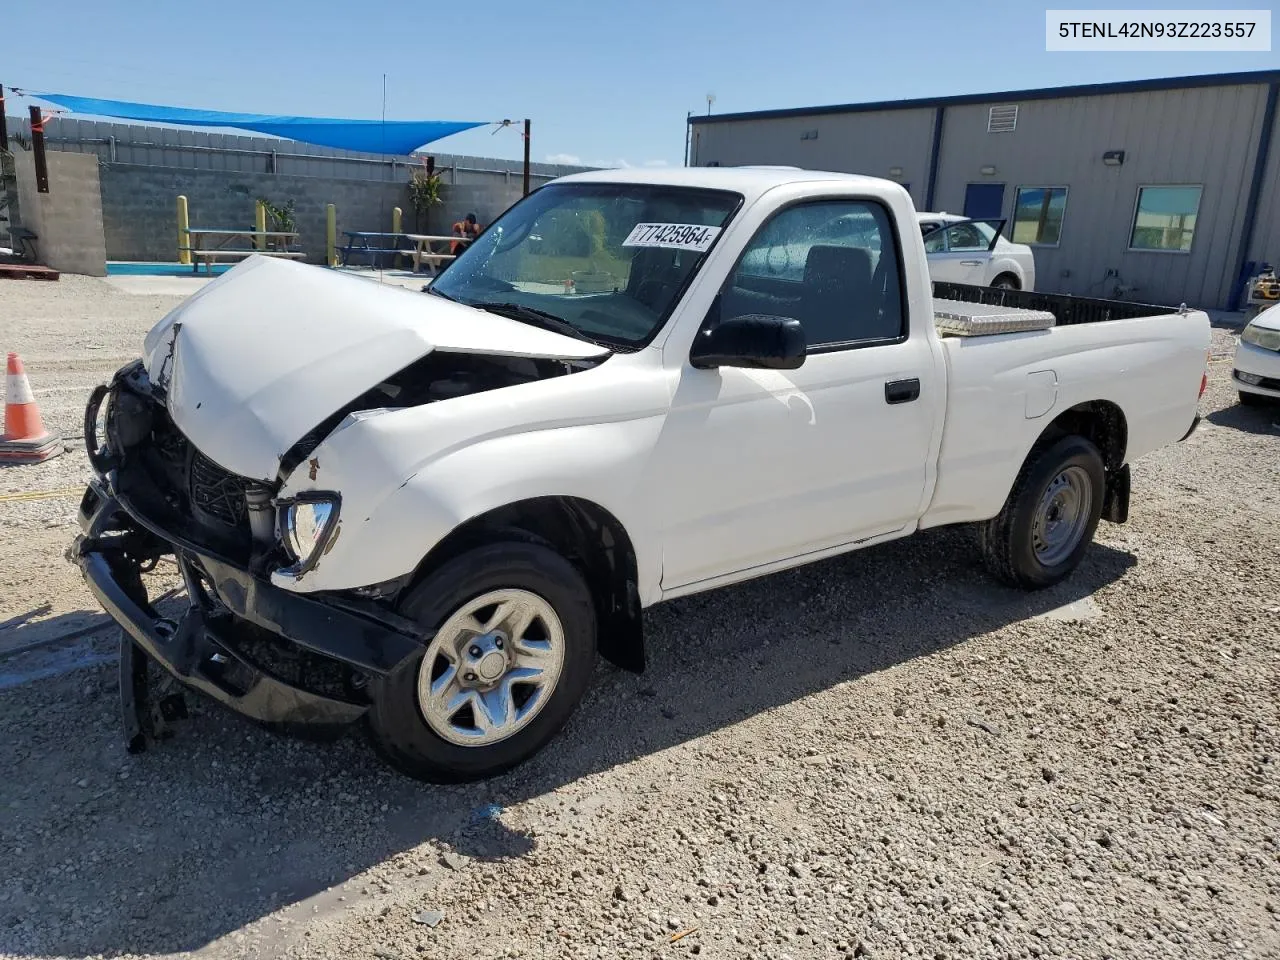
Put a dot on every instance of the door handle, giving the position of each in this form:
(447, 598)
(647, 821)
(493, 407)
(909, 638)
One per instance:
(971, 263)
(902, 391)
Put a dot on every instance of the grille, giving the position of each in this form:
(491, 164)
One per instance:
(216, 492)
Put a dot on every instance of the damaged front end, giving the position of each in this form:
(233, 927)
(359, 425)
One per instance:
(282, 658)
(299, 661)
(193, 446)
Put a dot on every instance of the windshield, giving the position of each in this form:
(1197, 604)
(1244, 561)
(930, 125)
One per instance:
(607, 259)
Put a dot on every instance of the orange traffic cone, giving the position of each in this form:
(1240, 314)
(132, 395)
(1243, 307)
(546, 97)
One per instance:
(25, 439)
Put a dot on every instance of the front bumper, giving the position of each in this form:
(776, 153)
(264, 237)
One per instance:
(1261, 368)
(294, 660)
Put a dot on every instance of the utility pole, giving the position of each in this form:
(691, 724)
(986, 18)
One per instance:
(37, 148)
(526, 156)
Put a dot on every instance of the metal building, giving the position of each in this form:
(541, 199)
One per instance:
(1160, 190)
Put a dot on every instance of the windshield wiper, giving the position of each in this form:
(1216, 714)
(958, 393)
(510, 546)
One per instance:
(539, 318)
(431, 289)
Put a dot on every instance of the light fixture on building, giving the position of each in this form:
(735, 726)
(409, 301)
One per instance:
(895, 171)
(987, 171)
(1113, 158)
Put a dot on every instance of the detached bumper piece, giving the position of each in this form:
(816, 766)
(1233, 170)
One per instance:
(290, 661)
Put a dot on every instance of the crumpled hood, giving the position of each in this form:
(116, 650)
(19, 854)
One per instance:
(271, 348)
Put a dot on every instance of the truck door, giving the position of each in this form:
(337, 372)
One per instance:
(758, 466)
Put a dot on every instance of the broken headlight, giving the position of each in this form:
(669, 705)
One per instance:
(1261, 337)
(308, 525)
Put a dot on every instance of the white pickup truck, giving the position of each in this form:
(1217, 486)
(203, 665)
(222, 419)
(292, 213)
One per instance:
(431, 511)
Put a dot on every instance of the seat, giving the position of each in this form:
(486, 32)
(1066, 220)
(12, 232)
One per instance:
(656, 276)
(837, 303)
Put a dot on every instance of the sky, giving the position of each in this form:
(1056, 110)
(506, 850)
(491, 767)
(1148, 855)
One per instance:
(605, 84)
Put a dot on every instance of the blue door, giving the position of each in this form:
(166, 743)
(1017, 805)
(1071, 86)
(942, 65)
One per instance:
(983, 201)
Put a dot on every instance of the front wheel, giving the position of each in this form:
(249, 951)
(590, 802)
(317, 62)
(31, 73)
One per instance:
(1050, 516)
(512, 647)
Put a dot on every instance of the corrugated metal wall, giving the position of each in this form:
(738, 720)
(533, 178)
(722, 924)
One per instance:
(1266, 231)
(1206, 136)
(869, 143)
(1197, 135)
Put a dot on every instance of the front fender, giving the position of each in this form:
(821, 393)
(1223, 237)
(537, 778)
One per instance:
(385, 529)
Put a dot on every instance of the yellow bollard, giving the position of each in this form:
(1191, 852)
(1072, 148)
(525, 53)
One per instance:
(395, 228)
(331, 235)
(184, 238)
(260, 224)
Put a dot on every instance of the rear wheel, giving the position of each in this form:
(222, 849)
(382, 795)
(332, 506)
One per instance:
(1050, 516)
(512, 649)
(1006, 281)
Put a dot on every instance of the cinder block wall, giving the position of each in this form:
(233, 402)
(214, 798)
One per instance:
(144, 169)
(139, 216)
(139, 206)
(486, 201)
(67, 220)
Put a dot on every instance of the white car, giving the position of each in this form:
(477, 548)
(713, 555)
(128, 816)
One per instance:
(1257, 364)
(960, 250)
(432, 512)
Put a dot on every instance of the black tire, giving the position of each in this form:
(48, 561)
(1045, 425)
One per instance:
(1254, 399)
(1006, 281)
(399, 731)
(1006, 539)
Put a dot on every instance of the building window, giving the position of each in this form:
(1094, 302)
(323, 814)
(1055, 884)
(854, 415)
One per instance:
(1165, 218)
(1037, 215)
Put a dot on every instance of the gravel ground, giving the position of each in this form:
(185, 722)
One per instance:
(881, 755)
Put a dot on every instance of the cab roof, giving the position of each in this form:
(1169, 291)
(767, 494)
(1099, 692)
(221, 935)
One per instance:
(749, 181)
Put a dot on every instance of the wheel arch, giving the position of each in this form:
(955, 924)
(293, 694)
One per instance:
(1102, 422)
(588, 536)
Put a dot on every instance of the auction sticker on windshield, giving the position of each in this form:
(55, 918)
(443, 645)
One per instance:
(684, 236)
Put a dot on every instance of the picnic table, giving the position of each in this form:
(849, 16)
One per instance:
(423, 252)
(213, 243)
(416, 246)
(360, 241)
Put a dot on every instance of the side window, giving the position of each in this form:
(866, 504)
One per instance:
(832, 265)
(966, 236)
(935, 242)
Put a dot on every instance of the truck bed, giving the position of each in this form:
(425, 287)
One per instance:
(1067, 310)
(1143, 362)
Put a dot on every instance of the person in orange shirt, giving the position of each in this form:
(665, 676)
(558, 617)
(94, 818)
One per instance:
(467, 228)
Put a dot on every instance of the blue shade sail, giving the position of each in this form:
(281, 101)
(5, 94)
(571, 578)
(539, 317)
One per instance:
(371, 136)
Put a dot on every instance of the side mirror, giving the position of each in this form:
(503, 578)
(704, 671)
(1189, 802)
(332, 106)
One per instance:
(769, 343)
